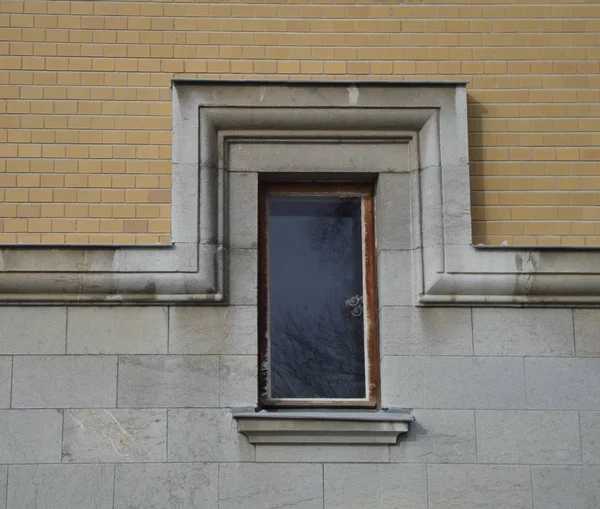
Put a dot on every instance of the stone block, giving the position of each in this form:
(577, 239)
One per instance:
(438, 436)
(429, 222)
(563, 384)
(32, 330)
(587, 325)
(176, 486)
(185, 190)
(402, 382)
(114, 436)
(3, 480)
(243, 277)
(340, 157)
(270, 486)
(206, 435)
(589, 427)
(473, 382)
(30, 436)
(72, 381)
(120, 330)
(559, 487)
(213, 330)
(523, 332)
(375, 486)
(525, 436)
(53, 486)
(425, 331)
(457, 210)
(479, 487)
(5, 381)
(168, 381)
(395, 278)
(243, 210)
(238, 383)
(323, 453)
(392, 211)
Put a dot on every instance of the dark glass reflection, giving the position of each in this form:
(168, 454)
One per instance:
(315, 297)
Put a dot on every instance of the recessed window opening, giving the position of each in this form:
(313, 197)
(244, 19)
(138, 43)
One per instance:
(317, 323)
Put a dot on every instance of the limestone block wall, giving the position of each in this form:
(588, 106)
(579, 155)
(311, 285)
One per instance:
(106, 407)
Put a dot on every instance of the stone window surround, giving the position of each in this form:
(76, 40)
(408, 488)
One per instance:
(429, 117)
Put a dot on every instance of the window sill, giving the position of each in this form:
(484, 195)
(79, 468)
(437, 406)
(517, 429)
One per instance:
(322, 426)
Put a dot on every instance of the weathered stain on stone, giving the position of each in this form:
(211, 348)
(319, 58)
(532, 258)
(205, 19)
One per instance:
(115, 435)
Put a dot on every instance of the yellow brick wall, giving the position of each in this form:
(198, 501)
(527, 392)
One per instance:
(85, 113)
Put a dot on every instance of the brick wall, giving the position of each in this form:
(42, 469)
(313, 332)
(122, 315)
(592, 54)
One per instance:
(85, 113)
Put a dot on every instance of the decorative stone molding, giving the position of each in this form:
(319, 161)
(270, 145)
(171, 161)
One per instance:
(322, 427)
(316, 130)
(516, 277)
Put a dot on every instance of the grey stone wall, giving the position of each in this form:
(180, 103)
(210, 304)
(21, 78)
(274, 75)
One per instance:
(131, 408)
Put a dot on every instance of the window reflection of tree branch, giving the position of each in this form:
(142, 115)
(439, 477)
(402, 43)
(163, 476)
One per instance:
(317, 354)
(317, 341)
(328, 230)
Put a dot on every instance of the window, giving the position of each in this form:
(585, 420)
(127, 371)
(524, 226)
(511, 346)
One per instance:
(318, 317)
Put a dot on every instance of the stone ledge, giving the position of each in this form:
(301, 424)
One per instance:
(322, 427)
(515, 277)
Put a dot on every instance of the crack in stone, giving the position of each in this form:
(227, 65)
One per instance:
(117, 443)
(127, 434)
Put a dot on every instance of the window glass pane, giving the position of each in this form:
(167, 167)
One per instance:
(317, 347)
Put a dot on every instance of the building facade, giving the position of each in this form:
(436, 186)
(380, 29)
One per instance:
(141, 143)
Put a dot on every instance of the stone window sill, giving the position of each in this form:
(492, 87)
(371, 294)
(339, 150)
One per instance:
(322, 426)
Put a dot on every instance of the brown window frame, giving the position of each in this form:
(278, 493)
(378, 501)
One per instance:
(370, 302)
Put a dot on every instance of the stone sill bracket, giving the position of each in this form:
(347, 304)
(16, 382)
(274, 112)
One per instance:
(322, 426)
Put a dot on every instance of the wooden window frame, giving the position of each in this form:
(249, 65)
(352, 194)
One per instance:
(370, 302)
